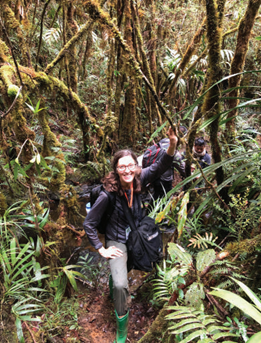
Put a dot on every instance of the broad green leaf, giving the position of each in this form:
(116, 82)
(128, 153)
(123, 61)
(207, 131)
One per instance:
(182, 215)
(43, 163)
(194, 295)
(31, 319)
(13, 251)
(184, 322)
(44, 220)
(204, 259)
(178, 252)
(19, 330)
(239, 302)
(193, 335)
(180, 316)
(250, 293)
(208, 321)
(223, 335)
(256, 338)
(188, 327)
(60, 290)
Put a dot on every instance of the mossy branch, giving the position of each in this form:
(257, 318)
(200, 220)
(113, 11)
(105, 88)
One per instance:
(68, 46)
(189, 53)
(12, 51)
(97, 13)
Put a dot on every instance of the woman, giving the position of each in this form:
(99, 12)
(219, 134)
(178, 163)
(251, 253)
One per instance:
(125, 180)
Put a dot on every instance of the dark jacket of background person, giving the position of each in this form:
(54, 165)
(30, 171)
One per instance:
(116, 227)
(204, 161)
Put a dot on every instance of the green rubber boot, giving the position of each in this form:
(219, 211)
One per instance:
(111, 287)
(122, 328)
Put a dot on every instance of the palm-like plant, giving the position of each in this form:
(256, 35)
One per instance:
(253, 311)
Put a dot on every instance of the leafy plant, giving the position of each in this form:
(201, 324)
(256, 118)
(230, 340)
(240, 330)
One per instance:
(203, 242)
(66, 274)
(205, 328)
(236, 300)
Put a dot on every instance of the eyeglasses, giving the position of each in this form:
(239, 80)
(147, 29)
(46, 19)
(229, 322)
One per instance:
(131, 167)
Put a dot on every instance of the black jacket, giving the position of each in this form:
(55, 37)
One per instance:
(117, 225)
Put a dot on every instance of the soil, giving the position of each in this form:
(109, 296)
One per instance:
(96, 317)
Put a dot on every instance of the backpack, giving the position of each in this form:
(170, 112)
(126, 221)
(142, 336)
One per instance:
(95, 192)
(144, 243)
(154, 152)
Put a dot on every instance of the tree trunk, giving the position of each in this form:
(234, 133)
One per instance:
(211, 106)
(238, 62)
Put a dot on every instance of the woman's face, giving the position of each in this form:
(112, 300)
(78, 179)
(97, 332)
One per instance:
(126, 170)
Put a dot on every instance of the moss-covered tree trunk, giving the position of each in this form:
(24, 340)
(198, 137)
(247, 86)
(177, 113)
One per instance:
(128, 129)
(211, 106)
(238, 62)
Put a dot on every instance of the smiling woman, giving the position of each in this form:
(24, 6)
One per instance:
(126, 169)
(125, 181)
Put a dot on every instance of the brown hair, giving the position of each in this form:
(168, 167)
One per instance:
(111, 182)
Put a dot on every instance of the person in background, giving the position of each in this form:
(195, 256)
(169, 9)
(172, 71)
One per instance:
(163, 184)
(125, 180)
(200, 153)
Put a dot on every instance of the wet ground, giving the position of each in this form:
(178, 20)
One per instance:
(96, 318)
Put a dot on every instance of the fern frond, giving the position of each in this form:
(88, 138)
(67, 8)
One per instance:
(226, 284)
(196, 324)
(220, 271)
(203, 242)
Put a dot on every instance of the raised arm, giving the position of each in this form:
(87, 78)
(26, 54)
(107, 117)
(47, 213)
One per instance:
(173, 140)
(155, 170)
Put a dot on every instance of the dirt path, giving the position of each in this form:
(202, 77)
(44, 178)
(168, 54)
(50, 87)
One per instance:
(96, 317)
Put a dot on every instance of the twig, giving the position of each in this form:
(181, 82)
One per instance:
(27, 326)
(215, 303)
(80, 233)
(16, 97)
(41, 34)
(12, 51)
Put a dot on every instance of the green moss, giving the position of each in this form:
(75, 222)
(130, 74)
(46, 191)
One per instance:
(246, 246)
(4, 52)
(12, 23)
(7, 74)
(3, 204)
(12, 91)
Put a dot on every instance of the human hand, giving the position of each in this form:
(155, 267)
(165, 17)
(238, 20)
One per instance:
(173, 140)
(111, 252)
(172, 136)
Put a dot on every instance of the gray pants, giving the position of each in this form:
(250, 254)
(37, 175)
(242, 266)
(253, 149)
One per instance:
(119, 272)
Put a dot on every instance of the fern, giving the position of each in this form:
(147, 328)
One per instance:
(203, 242)
(196, 326)
(169, 278)
(52, 35)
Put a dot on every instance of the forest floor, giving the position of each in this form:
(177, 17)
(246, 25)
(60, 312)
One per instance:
(96, 318)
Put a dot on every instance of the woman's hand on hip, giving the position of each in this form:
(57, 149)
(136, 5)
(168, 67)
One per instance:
(111, 252)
